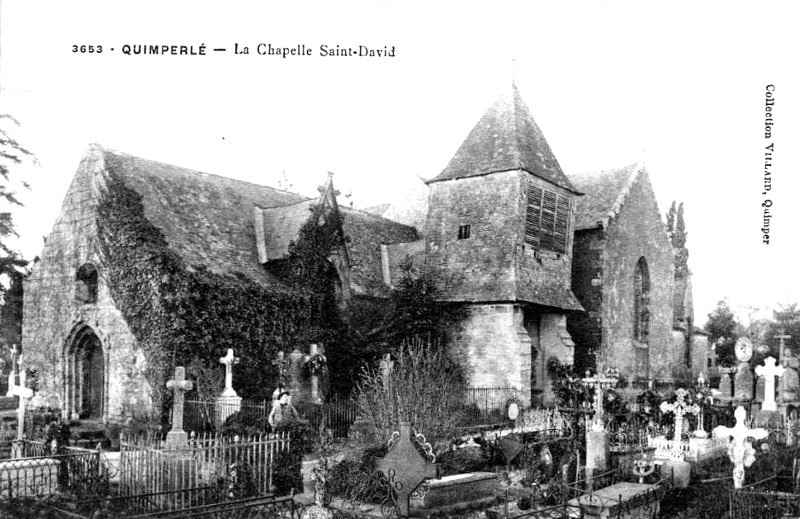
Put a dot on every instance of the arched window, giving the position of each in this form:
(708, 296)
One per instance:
(641, 302)
(86, 284)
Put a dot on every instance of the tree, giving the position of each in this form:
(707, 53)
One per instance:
(724, 330)
(676, 227)
(12, 265)
(12, 154)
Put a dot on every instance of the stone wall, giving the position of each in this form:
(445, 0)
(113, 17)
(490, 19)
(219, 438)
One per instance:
(587, 285)
(481, 267)
(493, 346)
(554, 345)
(638, 231)
(51, 312)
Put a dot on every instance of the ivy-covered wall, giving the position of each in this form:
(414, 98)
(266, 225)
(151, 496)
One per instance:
(180, 313)
(154, 309)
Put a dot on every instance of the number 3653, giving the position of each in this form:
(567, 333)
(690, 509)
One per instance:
(90, 49)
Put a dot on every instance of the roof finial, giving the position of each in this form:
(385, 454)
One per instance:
(513, 71)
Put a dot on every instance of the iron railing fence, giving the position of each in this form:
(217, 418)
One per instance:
(162, 479)
(37, 472)
(482, 406)
(774, 497)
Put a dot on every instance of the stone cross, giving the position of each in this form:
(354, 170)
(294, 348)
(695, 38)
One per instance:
(769, 371)
(405, 468)
(24, 394)
(229, 360)
(679, 408)
(739, 449)
(600, 384)
(176, 437)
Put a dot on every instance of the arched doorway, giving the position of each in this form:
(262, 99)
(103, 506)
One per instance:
(85, 378)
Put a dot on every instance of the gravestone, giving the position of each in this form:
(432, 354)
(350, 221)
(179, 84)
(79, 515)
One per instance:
(228, 402)
(725, 385)
(790, 383)
(769, 371)
(681, 469)
(743, 382)
(405, 467)
(760, 390)
(740, 450)
(176, 437)
(597, 452)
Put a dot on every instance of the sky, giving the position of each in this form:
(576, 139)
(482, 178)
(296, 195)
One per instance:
(680, 86)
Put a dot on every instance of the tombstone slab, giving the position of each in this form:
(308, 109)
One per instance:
(769, 371)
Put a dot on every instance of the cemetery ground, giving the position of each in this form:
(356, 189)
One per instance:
(610, 449)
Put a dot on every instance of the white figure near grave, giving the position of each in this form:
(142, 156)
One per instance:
(679, 408)
(176, 437)
(740, 450)
(228, 361)
(769, 371)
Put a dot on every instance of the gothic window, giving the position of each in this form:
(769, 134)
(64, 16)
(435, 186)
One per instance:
(641, 302)
(547, 220)
(463, 232)
(86, 284)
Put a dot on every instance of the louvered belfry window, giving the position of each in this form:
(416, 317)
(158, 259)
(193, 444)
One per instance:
(547, 220)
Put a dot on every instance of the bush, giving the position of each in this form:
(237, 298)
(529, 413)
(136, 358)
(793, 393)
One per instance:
(425, 388)
(355, 478)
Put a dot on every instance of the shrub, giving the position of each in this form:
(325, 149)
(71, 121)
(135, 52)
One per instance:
(425, 387)
(354, 478)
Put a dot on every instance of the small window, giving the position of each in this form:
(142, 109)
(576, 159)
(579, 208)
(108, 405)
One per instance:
(463, 232)
(86, 284)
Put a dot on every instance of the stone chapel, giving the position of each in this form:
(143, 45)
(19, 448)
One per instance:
(544, 265)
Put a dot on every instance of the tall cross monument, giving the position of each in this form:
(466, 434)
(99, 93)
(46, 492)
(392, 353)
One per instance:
(176, 437)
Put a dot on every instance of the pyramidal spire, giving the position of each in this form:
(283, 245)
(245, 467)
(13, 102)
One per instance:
(506, 138)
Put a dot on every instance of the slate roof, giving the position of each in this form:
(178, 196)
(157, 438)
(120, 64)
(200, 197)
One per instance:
(282, 226)
(206, 219)
(506, 138)
(605, 192)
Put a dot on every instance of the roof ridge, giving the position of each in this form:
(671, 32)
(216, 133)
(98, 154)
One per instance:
(106, 151)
